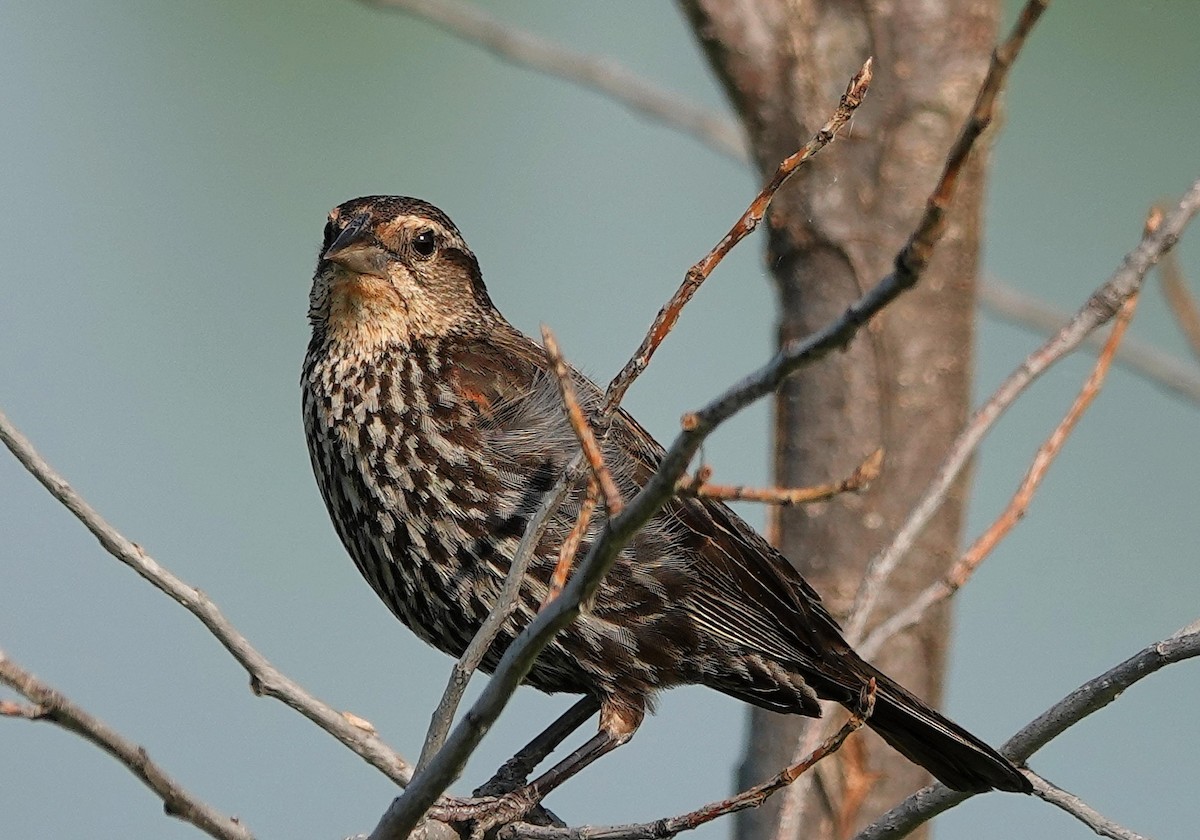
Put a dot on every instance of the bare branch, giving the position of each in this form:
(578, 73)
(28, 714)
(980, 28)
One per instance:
(1172, 374)
(265, 678)
(752, 798)
(570, 546)
(1099, 308)
(699, 486)
(1179, 299)
(1080, 810)
(53, 707)
(856, 91)
(1090, 697)
(966, 565)
(597, 73)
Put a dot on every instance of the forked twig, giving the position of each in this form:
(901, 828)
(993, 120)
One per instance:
(856, 91)
(965, 566)
(53, 707)
(698, 485)
(1174, 375)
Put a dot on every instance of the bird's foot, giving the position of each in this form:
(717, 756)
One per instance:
(484, 813)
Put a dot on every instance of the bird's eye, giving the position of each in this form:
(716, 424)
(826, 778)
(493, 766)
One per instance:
(424, 243)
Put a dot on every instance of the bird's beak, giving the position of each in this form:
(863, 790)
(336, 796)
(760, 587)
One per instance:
(356, 250)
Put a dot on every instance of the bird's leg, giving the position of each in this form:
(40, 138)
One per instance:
(617, 725)
(515, 772)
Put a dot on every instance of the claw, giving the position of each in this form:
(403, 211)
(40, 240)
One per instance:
(483, 813)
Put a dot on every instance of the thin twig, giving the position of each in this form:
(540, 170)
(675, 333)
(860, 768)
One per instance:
(970, 560)
(1174, 375)
(856, 91)
(579, 424)
(598, 73)
(698, 485)
(570, 546)
(1180, 300)
(1080, 810)
(1090, 697)
(752, 798)
(53, 707)
(265, 678)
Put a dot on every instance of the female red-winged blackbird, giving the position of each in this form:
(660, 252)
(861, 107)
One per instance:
(435, 428)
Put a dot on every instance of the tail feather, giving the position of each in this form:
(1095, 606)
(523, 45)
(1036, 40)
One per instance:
(957, 758)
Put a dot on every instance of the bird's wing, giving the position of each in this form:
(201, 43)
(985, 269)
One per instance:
(750, 595)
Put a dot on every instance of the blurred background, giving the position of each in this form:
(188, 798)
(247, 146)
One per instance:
(169, 167)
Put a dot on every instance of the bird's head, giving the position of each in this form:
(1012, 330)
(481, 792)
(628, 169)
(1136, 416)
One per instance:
(395, 270)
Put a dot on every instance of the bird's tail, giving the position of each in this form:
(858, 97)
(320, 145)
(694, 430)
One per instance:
(957, 758)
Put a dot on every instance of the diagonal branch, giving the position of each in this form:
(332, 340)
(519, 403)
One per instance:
(966, 565)
(598, 73)
(1172, 374)
(53, 707)
(1099, 309)
(1090, 697)
(265, 678)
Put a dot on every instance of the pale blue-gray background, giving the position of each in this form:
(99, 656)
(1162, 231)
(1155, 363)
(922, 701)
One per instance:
(167, 169)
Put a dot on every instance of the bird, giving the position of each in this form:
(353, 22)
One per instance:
(435, 428)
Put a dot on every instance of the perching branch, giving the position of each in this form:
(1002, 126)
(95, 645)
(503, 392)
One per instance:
(398, 821)
(1090, 697)
(265, 678)
(966, 565)
(53, 707)
(752, 798)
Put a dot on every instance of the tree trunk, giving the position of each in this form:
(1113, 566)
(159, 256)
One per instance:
(904, 383)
